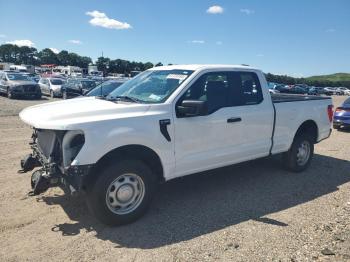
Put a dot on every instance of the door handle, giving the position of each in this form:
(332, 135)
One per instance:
(234, 120)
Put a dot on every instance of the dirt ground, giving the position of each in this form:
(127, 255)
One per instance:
(255, 211)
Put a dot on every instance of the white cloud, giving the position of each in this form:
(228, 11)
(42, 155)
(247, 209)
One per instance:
(76, 42)
(219, 42)
(102, 20)
(299, 75)
(215, 9)
(2, 36)
(55, 50)
(247, 11)
(330, 30)
(197, 42)
(21, 43)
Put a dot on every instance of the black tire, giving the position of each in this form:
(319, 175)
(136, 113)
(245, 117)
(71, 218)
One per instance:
(97, 194)
(291, 159)
(64, 95)
(52, 94)
(9, 94)
(37, 97)
(336, 127)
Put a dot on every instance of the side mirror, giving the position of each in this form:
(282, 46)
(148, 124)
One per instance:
(189, 108)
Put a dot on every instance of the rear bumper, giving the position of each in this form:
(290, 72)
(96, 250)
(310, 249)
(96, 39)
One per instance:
(324, 135)
(338, 122)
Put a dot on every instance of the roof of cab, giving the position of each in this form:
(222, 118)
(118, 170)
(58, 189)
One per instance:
(196, 67)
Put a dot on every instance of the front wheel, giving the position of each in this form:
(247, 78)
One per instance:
(122, 192)
(300, 154)
(64, 95)
(9, 94)
(37, 97)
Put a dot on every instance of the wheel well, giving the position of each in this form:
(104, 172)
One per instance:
(308, 127)
(143, 153)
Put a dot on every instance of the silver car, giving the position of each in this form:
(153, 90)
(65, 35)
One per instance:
(15, 84)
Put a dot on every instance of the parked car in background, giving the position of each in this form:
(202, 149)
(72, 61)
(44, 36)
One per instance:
(18, 85)
(51, 86)
(329, 91)
(342, 91)
(316, 91)
(106, 88)
(77, 87)
(341, 116)
(282, 88)
(298, 89)
(33, 76)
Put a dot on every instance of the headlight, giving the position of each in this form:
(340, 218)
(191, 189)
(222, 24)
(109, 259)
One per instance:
(72, 142)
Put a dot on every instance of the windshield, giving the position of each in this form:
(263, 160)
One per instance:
(153, 86)
(104, 89)
(56, 81)
(17, 77)
(88, 84)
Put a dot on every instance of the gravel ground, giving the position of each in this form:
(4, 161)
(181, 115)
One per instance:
(254, 211)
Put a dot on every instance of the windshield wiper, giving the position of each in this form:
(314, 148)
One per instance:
(126, 98)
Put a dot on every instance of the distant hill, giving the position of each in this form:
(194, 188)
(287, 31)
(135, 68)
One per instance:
(338, 77)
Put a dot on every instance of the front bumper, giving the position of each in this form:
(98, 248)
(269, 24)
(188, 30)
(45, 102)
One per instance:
(75, 178)
(24, 93)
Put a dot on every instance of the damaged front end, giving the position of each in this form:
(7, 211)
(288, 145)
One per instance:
(54, 151)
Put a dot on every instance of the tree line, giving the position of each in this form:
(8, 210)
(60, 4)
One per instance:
(288, 80)
(30, 55)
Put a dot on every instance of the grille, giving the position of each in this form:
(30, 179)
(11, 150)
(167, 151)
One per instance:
(29, 88)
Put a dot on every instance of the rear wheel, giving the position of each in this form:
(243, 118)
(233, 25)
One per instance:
(300, 154)
(122, 192)
(52, 94)
(64, 95)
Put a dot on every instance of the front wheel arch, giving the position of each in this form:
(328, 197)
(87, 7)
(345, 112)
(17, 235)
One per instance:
(136, 152)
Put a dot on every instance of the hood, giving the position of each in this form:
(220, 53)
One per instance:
(20, 82)
(73, 113)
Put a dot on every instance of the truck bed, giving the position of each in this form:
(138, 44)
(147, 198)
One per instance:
(283, 98)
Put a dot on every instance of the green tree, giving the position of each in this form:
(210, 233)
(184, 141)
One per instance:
(47, 56)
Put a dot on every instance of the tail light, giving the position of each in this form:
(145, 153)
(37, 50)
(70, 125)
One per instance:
(342, 109)
(330, 112)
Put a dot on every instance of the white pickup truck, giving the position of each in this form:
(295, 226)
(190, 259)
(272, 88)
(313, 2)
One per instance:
(167, 122)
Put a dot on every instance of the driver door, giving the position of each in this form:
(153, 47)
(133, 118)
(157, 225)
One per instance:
(236, 127)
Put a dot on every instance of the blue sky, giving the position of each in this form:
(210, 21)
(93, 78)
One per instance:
(299, 37)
